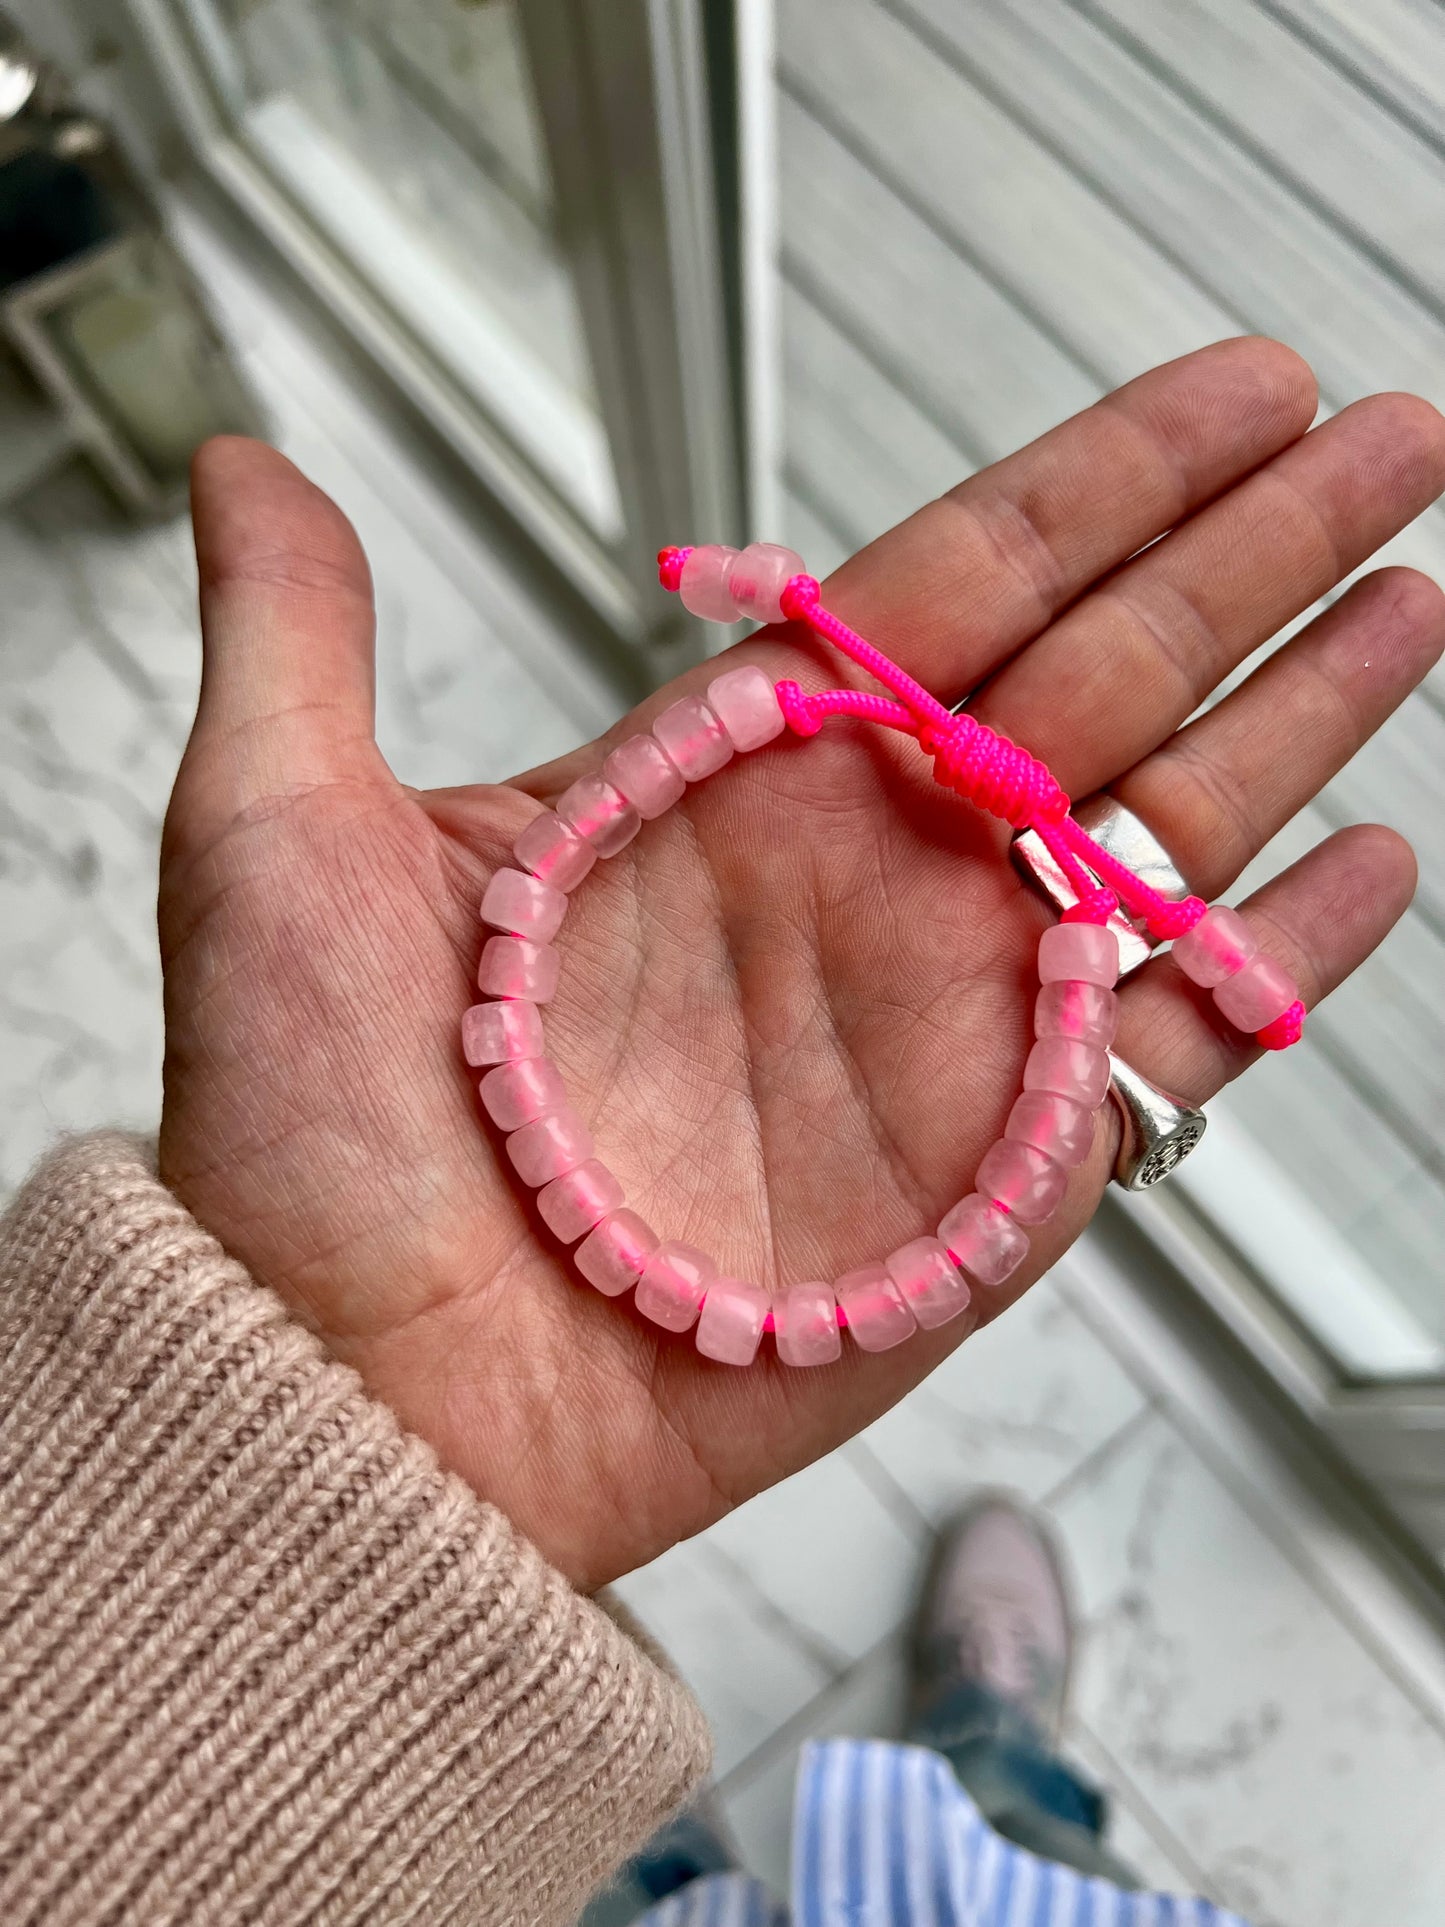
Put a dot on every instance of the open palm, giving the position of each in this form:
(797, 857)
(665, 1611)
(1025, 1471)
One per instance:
(795, 1009)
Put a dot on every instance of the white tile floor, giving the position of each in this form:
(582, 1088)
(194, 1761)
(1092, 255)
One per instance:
(1270, 1733)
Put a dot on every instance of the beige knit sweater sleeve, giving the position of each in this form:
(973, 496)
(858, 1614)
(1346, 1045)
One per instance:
(261, 1660)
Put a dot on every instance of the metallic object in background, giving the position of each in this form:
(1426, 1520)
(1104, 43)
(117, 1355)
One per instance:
(95, 303)
(1159, 1129)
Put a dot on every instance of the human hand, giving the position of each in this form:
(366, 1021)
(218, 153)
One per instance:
(795, 1009)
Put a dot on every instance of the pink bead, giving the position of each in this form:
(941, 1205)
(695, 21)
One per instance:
(1080, 1071)
(553, 851)
(1057, 1126)
(693, 738)
(516, 1093)
(512, 967)
(1256, 995)
(703, 584)
(983, 1239)
(746, 704)
(731, 1326)
(758, 577)
(543, 1150)
(578, 1200)
(640, 770)
(600, 814)
(1022, 1179)
(499, 1033)
(805, 1325)
(1086, 1012)
(877, 1314)
(1218, 947)
(673, 1281)
(1083, 953)
(931, 1283)
(524, 905)
(612, 1256)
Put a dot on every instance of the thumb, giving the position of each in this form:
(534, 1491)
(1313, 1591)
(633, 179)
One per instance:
(288, 636)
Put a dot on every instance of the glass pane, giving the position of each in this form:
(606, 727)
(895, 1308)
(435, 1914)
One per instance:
(410, 137)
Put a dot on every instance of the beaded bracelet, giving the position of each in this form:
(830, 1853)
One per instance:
(1020, 1180)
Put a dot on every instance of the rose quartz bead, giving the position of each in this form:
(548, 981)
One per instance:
(553, 851)
(983, 1240)
(1218, 947)
(578, 1200)
(731, 1326)
(1022, 1179)
(1086, 1012)
(693, 738)
(805, 1325)
(932, 1284)
(878, 1316)
(746, 704)
(550, 1145)
(757, 579)
(524, 905)
(1256, 995)
(673, 1281)
(1079, 1071)
(1084, 953)
(703, 584)
(642, 771)
(516, 1093)
(512, 967)
(611, 1257)
(599, 813)
(1057, 1126)
(499, 1033)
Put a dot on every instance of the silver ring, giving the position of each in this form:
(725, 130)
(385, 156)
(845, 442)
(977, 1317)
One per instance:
(1159, 1129)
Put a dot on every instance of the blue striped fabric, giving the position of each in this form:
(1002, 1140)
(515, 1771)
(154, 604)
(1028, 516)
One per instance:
(884, 1836)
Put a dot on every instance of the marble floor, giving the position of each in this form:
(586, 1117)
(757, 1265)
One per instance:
(1266, 1709)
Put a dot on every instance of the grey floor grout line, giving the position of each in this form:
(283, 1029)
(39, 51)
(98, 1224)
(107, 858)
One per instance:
(1144, 1812)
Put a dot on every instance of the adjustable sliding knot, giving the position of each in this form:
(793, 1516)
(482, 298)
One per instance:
(800, 596)
(669, 567)
(800, 712)
(988, 770)
(1168, 920)
(1095, 906)
(1286, 1029)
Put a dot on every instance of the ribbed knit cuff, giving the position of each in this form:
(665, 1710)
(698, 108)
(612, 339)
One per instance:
(260, 1658)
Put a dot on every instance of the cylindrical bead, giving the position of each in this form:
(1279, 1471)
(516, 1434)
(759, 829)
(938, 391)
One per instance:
(878, 1315)
(642, 771)
(757, 579)
(1087, 1013)
(523, 905)
(932, 1285)
(1256, 995)
(1085, 953)
(513, 967)
(673, 1280)
(1217, 948)
(693, 738)
(1079, 1071)
(553, 851)
(612, 1255)
(746, 704)
(578, 1200)
(1058, 1126)
(516, 1093)
(599, 814)
(805, 1324)
(703, 584)
(983, 1240)
(1021, 1178)
(550, 1145)
(731, 1326)
(502, 1032)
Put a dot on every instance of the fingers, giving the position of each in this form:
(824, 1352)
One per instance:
(1321, 919)
(1117, 673)
(955, 589)
(1219, 789)
(287, 689)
